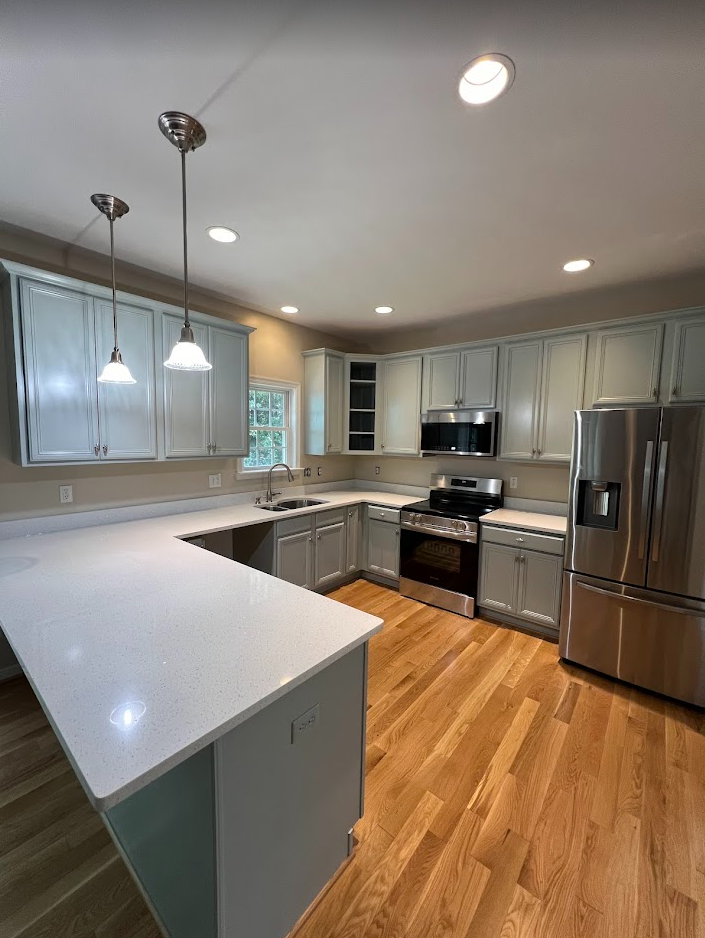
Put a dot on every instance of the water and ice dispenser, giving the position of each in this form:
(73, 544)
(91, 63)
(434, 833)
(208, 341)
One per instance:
(598, 504)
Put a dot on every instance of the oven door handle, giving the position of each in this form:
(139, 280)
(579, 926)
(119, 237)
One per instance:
(468, 538)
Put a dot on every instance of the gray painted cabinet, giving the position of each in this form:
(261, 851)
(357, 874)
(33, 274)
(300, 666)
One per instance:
(331, 553)
(520, 574)
(627, 365)
(460, 378)
(383, 548)
(323, 402)
(687, 384)
(295, 559)
(401, 406)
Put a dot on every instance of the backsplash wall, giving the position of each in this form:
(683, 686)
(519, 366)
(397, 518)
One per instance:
(542, 482)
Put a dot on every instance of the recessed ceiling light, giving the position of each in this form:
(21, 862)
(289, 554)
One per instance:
(486, 78)
(290, 309)
(226, 235)
(384, 310)
(573, 267)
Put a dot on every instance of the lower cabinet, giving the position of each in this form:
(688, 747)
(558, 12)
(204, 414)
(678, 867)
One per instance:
(295, 559)
(331, 553)
(522, 581)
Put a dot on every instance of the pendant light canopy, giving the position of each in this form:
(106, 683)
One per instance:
(186, 134)
(116, 371)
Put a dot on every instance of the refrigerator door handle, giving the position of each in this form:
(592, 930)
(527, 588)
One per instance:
(614, 594)
(658, 508)
(645, 492)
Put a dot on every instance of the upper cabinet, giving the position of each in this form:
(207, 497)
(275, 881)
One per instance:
(401, 421)
(60, 336)
(71, 417)
(543, 385)
(205, 413)
(687, 384)
(362, 404)
(463, 378)
(627, 365)
(323, 402)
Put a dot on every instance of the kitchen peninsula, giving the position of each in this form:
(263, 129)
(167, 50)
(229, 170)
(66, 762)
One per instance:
(215, 715)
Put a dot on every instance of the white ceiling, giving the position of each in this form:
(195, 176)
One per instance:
(339, 149)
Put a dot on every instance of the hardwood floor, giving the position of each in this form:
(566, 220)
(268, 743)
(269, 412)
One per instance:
(508, 796)
(60, 874)
(512, 796)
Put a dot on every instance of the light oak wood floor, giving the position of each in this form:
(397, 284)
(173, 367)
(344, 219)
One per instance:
(508, 796)
(512, 796)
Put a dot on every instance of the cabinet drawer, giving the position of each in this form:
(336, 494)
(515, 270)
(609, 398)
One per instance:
(383, 514)
(516, 537)
(294, 525)
(331, 516)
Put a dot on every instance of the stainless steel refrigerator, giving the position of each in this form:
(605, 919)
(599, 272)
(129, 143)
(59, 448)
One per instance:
(634, 580)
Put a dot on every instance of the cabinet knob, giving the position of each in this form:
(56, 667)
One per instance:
(350, 514)
(538, 451)
(516, 559)
(397, 532)
(533, 452)
(310, 539)
(318, 537)
(654, 392)
(105, 449)
(674, 391)
(96, 449)
(520, 540)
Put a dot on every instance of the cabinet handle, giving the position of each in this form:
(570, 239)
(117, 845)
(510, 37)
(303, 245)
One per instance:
(382, 445)
(520, 540)
(516, 559)
(398, 532)
(105, 449)
(538, 451)
(329, 445)
(350, 514)
(96, 449)
(533, 452)
(215, 447)
(654, 392)
(674, 391)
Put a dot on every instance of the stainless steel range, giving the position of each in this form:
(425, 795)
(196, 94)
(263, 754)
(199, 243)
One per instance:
(439, 552)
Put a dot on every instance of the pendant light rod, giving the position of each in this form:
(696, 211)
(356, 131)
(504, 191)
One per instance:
(183, 212)
(115, 372)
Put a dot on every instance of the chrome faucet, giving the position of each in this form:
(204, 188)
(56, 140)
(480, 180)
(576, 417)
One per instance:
(270, 494)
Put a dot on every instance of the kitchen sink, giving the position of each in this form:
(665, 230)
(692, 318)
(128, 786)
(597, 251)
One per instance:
(272, 508)
(299, 502)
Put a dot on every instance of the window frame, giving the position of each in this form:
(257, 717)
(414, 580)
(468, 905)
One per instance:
(293, 389)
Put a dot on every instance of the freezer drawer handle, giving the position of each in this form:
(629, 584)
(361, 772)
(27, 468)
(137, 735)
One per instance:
(658, 513)
(683, 610)
(646, 488)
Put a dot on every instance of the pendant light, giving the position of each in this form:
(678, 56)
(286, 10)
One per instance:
(116, 371)
(185, 133)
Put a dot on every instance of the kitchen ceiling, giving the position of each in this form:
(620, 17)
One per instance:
(339, 150)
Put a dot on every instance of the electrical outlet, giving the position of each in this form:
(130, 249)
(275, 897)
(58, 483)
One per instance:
(307, 472)
(215, 481)
(306, 722)
(513, 482)
(319, 471)
(377, 470)
(65, 494)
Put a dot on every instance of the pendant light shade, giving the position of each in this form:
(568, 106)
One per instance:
(186, 134)
(116, 371)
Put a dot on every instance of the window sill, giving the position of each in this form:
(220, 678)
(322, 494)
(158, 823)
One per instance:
(263, 473)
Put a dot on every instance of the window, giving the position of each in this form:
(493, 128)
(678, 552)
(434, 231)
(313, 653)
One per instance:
(272, 419)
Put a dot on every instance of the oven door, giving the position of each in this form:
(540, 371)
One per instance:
(438, 570)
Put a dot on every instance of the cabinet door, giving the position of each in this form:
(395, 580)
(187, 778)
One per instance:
(627, 365)
(688, 368)
(330, 553)
(294, 554)
(229, 392)
(540, 587)
(401, 419)
(383, 547)
(128, 414)
(334, 404)
(186, 410)
(441, 380)
(561, 394)
(478, 386)
(60, 372)
(499, 567)
(353, 540)
(522, 382)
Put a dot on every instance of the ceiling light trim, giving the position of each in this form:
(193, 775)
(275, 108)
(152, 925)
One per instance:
(477, 94)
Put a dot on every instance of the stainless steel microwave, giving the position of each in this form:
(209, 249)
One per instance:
(459, 433)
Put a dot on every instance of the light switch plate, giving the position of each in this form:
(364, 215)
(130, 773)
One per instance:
(65, 494)
(305, 723)
(215, 481)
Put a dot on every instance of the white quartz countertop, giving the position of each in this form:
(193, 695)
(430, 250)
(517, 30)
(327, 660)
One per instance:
(129, 617)
(529, 520)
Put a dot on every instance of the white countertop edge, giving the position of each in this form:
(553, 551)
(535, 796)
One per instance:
(526, 520)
